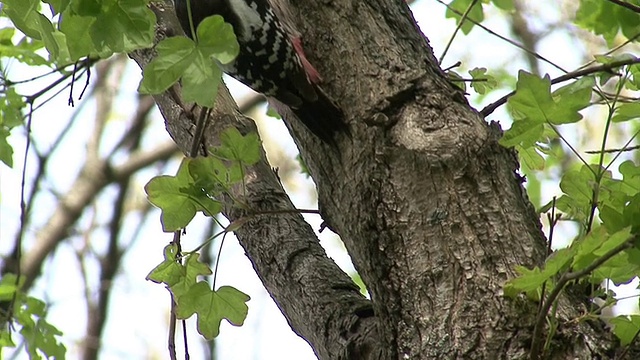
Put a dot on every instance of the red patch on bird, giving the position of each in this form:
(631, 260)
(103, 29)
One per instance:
(312, 73)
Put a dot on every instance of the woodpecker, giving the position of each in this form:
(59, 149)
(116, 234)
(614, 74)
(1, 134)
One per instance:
(271, 60)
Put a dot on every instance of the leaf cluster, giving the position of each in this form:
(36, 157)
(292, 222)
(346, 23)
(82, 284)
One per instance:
(193, 296)
(28, 314)
(604, 203)
(81, 28)
(200, 182)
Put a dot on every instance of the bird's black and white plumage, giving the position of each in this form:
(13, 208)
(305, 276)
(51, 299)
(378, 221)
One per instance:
(271, 60)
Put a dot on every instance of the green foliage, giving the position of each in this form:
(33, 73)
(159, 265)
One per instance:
(535, 111)
(474, 11)
(626, 328)
(23, 51)
(85, 27)
(482, 82)
(605, 205)
(472, 8)
(179, 198)
(11, 106)
(457, 80)
(608, 19)
(39, 337)
(181, 57)
(196, 186)
(530, 281)
(196, 297)
(200, 181)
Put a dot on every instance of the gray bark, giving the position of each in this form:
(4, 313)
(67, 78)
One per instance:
(427, 203)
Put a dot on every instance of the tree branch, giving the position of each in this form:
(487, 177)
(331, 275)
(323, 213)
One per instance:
(624, 4)
(572, 75)
(93, 177)
(319, 300)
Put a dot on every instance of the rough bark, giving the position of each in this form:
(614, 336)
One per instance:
(428, 204)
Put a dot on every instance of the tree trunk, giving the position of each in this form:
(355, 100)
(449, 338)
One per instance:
(429, 206)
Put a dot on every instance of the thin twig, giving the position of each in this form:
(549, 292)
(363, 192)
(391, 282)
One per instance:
(463, 17)
(624, 4)
(171, 343)
(173, 318)
(23, 215)
(572, 75)
(201, 124)
(552, 224)
(55, 83)
(215, 269)
(610, 151)
(503, 38)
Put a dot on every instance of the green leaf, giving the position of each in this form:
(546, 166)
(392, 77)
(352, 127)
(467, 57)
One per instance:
(530, 158)
(532, 97)
(8, 286)
(211, 174)
(7, 290)
(533, 100)
(630, 177)
(626, 112)
(217, 39)
(213, 306)
(180, 57)
(24, 15)
(506, 5)
(58, 6)
(570, 99)
(179, 199)
(524, 133)
(123, 26)
(598, 243)
(25, 51)
(5, 339)
(611, 218)
(530, 281)
(476, 13)
(47, 31)
(43, 338)
(483, 82)
(179, 278)
(631, 213)
(175, 55)
(6, 150)
(201, 80)
(613, 241)
(585, 248)
(193, 269)
(79, 41)
(633, 82)
(578, 187)
(39, 336)
(607, 19)
(169, 272)
(244, 149)
(620, 269)
(626, 327)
